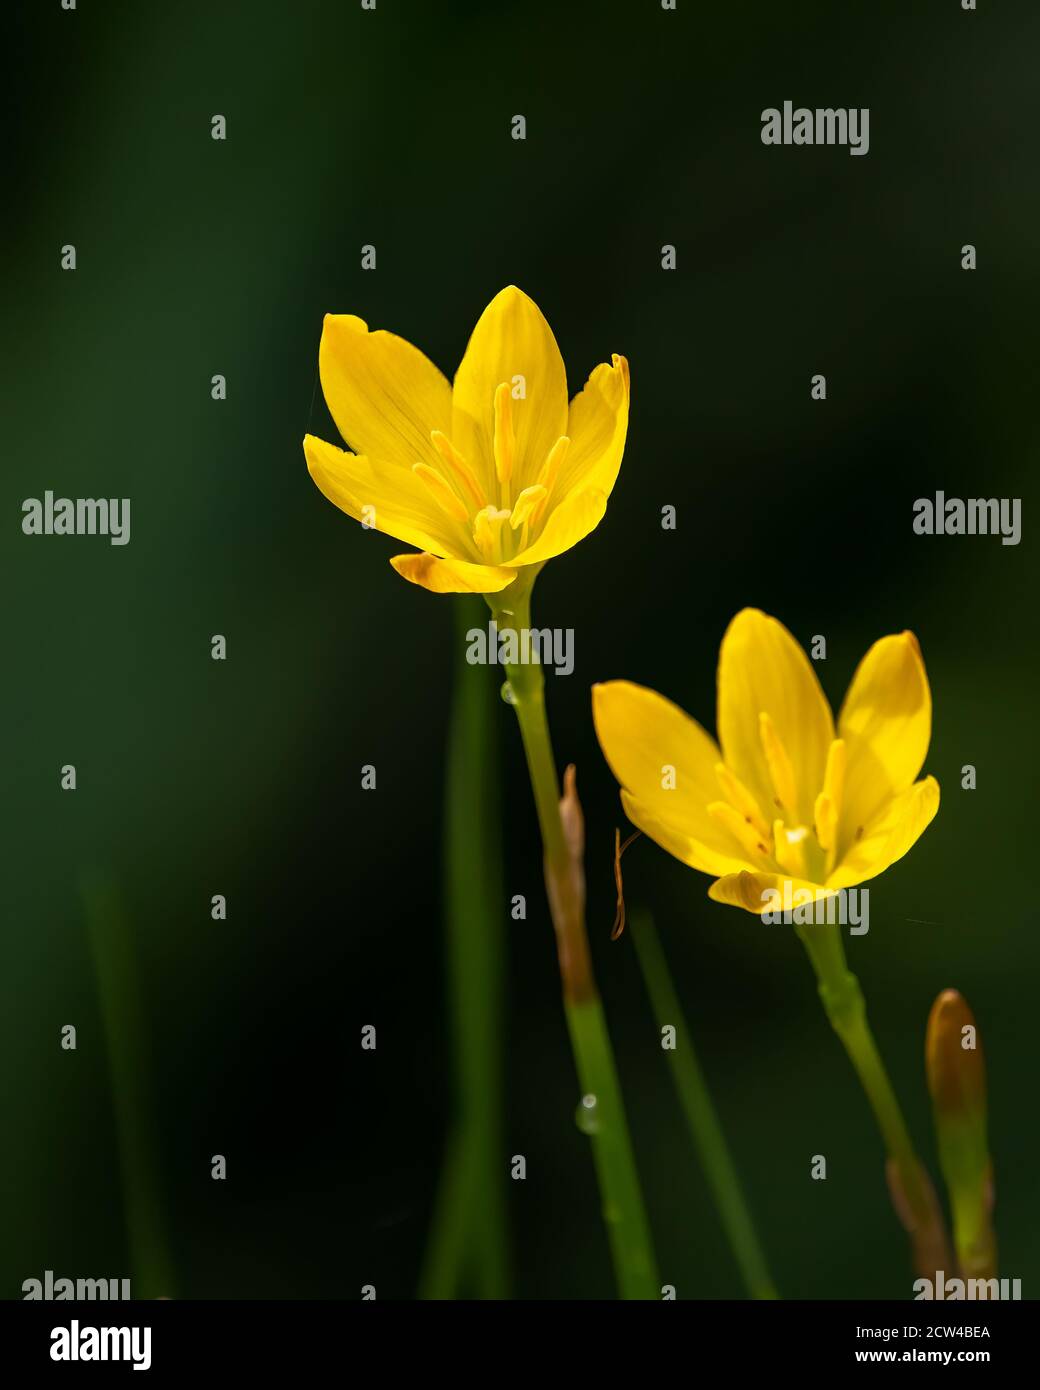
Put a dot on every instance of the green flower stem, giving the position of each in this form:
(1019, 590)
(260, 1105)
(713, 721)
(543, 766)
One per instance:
(701, 1117)
(450, 1248)
(622, 1199)
(973, 1235)
(469, 1242)
(122, 1016)
(845, 1008)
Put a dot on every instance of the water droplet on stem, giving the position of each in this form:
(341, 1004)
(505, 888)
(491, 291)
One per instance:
(587, 1115)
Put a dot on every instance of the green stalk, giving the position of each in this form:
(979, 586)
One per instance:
(469, 1243)
(122, 1015)
(621, 1196)
(844, 1005)
(701, 1117)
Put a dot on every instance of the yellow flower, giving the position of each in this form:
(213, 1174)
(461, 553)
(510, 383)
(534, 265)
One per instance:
(787, 799)
(486, 477)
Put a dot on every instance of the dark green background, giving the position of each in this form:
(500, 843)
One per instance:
(195, 777)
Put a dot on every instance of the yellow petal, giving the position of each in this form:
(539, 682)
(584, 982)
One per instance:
(452, 576)
(400, 505)
(763, 670)
(565, 526)
(888, 837)
(597, 424)
(644, 738)
(886, 722)
(677, 841)
(765, 892)
(384, 394)
(511, 340)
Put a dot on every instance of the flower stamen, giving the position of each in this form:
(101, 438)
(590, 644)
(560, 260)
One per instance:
(460, 469)
(740, 798)
(526, 503)
(505, 438)
(827, 811)
(551, 468)
(745, 834)
(442, 492)
(781, 772)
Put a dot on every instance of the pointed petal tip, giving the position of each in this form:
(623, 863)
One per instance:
(602, 694)
(745, 618)
(620, 364)
(511, 292)
(751, 614)
(350, 321)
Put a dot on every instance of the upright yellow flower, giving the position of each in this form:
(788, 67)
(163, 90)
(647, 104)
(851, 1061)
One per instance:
(487, 477)
(787, 798)
(788, 801)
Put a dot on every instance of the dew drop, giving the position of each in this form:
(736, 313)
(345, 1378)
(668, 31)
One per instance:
(587, 1115)
(507, 693)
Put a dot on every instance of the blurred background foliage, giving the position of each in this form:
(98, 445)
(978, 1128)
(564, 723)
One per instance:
(197, 257)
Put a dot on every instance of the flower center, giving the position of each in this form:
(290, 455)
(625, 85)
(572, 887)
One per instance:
(788, 844)
(497, 527)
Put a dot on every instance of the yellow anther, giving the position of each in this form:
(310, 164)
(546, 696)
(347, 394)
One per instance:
(526, 503)
(505, 440)
(789, 849)
(827, 811)
(460, 469)
(738, 796)
(487, 532)
(755, 846)
(825, 819)
(551, 471)
(441, 491)
(781, 773)
(553, 459)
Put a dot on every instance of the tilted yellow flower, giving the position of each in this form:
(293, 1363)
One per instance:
(486, 477)
(787, 798)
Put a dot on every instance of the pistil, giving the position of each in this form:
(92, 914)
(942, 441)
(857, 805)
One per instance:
(488, 527)
(789, 849)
